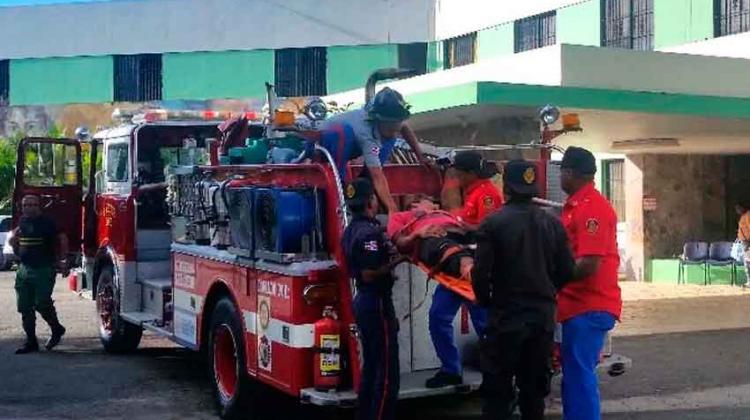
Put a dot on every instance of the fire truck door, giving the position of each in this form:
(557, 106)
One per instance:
(51, 169)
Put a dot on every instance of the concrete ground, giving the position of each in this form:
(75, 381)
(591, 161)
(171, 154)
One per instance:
(689, 348)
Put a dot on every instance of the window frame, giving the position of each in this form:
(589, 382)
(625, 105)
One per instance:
(539, 23)
(138, 77)
(451, 51)
(633, 19)
(723, 21)
(115, 186)
(618, 203)
(317, 70)
(4, 82)
(405, 59)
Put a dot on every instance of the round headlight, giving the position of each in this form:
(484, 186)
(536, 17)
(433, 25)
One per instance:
(549, 114)
(82, 133)
(316, 109)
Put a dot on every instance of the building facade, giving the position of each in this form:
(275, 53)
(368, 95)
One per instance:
(661, 85)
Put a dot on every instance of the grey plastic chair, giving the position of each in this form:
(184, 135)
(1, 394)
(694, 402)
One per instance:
(720, 255)
(693, 253)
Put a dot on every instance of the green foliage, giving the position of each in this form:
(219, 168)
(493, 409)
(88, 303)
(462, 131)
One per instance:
(8, 153)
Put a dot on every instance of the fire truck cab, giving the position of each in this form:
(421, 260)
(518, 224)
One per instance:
(229, 255)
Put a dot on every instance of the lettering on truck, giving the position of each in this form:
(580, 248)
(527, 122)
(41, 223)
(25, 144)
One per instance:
(273, 289)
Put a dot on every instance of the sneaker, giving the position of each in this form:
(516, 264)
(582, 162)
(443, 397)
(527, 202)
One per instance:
(442, 379)
(55, 338)
(28, 348)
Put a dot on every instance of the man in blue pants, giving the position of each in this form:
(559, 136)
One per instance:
(481, 198)
(588, 306)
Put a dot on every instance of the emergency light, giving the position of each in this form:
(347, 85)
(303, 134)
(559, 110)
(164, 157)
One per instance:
(156, 115)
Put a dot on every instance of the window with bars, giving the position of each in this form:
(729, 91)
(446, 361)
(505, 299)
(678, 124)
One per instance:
(628, 24)
(731, 17)
(535, 31)
(614, 185)
(138, 78)
(413, 56)
(301, 71)
(4, 81)
(460, 51)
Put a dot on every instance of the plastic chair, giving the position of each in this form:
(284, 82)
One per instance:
(720, 255)
(693, 253)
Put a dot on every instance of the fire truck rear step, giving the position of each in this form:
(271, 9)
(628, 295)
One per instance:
(412, 386)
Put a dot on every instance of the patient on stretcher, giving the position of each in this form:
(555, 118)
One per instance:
(435, 238)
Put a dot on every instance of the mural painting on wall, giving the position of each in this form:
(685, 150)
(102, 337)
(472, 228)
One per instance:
(38, 120)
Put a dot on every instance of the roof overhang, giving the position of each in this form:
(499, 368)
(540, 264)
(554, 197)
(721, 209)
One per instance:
(629, 101)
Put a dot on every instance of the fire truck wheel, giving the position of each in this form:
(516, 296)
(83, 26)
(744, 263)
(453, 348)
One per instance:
(116, 335)
(233, 389)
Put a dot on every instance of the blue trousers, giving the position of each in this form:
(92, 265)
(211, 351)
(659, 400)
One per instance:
(445, 306)
(379, 383)
(582, 342)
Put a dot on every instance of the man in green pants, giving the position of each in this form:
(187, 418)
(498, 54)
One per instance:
(41, 247)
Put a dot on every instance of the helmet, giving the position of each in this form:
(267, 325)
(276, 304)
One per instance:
(388, 105)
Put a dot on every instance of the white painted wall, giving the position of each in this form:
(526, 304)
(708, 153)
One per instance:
(592, 67)
(536, 67)
(654, 71)
(141, 26)
(737, 46)
(457, 17)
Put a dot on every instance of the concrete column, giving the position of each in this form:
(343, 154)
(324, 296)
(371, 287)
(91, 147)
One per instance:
(635, 256)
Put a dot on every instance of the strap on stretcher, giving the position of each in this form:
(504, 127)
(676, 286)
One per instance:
(457, 285)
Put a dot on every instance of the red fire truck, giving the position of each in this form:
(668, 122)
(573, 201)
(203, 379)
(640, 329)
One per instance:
(226, 254)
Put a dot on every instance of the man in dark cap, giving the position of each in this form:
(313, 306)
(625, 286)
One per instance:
(480, 198)
(522, 258)
(370, 259)
(589, 305)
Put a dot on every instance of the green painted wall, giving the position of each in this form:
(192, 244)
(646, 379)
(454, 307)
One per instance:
(224, 74)
(495, 41)
(435, 60)
(349, 67)
(667, 271)
(61, 80)
(682, 21)
(580, 24)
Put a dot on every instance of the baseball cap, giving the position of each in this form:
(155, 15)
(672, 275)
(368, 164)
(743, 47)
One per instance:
(358, 192)
(580, 160)
(520, 176)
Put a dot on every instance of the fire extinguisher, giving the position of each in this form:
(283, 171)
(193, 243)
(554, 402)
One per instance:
(327, 360)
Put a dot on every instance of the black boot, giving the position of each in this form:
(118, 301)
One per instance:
(442, 379)
(57, 330)
(28, 321)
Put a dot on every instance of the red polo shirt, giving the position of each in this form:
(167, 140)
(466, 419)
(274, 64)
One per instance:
(480, 199)
(591, 224)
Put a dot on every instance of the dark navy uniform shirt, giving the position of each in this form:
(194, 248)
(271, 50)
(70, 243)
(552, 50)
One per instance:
(366, 248)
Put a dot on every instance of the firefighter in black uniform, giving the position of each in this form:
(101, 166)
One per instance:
(371, 260)
(522, 257)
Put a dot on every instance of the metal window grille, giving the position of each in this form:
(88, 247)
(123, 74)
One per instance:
(138, 78)
(413, 56)
(731, 17)
(628, 24)
(460, 51)
(301, 71)
(4, 81)
(535, 31)
(614, 188)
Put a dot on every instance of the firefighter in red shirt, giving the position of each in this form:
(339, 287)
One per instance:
(481, 198)
(590, 304)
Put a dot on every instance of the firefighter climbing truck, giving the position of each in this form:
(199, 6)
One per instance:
(200, 240)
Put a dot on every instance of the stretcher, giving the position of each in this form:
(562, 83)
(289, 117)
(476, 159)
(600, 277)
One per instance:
(462, 287)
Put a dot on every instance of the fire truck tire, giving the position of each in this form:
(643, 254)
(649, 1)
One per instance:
(233, 389)
(116, 334)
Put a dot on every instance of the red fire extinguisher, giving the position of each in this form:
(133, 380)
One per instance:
(327, 360)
